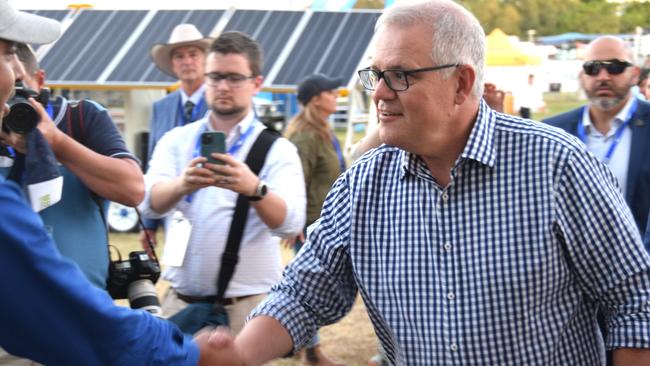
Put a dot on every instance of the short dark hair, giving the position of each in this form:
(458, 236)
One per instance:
(240, 43)
(27, 58)
(645, 72)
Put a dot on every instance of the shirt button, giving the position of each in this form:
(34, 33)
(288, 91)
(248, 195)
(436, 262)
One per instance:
(445, 197)
(447, 247)
(453, 347)
(451, 296)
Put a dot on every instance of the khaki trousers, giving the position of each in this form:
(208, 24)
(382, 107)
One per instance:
(237, 311)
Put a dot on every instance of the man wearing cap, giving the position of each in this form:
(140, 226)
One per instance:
(182, 57)
(615, 125)
(49, 311)
(179, 181)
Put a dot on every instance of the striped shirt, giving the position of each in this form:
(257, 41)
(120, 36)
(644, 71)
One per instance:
(504, 266)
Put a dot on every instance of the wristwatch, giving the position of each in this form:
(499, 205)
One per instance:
(260, 191)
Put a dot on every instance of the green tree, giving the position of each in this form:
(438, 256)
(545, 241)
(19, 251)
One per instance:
(635, 15)
(594, 16)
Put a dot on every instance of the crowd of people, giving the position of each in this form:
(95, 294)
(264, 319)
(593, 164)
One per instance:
(473, 236)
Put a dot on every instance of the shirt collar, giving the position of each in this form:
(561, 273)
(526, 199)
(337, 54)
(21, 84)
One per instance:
(479, 147)
(195, 97)
(617, 121)
(239, 127)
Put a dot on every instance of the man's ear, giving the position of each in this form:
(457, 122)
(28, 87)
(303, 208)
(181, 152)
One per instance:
(40, 78)
(465, 85)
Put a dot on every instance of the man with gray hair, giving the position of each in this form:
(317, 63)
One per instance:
(473, 237)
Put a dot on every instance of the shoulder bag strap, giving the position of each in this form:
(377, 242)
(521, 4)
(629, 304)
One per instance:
(255, 161)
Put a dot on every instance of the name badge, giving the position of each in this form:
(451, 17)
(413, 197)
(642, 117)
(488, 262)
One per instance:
(177, 237)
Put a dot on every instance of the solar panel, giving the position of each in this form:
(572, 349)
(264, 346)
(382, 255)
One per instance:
(271, 29)
(89, 44)
(332, 43)
(137, 65)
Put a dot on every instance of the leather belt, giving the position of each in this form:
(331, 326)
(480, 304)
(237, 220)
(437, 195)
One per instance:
(192, 299)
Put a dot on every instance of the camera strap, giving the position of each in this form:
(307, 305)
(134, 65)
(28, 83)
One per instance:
(255, 160)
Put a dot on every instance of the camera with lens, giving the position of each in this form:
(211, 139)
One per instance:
(22, 117)
(134, 279)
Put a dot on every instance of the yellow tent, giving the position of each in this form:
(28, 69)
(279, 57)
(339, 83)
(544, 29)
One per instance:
(502, 51)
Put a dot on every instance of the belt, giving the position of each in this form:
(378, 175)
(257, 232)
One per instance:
(192, 299)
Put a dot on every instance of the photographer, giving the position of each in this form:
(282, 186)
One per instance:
(95, 165)
(49, 311)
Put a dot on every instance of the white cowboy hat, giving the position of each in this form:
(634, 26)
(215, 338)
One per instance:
(18, 26)
(182, 35)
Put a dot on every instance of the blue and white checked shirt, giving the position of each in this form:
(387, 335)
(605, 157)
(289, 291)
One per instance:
(505, 266)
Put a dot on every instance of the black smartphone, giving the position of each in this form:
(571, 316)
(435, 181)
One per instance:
(213, 142)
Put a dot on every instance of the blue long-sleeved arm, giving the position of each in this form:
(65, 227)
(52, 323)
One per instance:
(50, 313)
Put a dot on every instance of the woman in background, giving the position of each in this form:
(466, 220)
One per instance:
(322, 162)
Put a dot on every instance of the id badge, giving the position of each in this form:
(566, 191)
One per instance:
(177, 237)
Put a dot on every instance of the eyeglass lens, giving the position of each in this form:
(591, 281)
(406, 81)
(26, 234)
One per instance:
(613, 67)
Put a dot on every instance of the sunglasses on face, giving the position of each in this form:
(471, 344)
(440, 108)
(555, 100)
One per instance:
(613, 67)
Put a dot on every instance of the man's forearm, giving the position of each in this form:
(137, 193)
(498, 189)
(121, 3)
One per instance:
(165, 195)
(631, 357)
(272, 210)
(263, 339)
(115, 179)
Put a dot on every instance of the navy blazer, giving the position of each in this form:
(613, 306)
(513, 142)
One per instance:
(165, 117)
(637, 192)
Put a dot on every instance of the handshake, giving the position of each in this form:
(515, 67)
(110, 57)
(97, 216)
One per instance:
(262, 339)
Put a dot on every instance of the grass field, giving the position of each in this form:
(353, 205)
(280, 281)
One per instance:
(351, 340)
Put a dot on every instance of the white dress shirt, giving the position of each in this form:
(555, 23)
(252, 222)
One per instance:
(210, 212)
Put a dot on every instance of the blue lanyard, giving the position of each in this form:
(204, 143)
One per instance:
(231, 151)
(181, 115)
(339, 153)
(617, 136)
(50, 110)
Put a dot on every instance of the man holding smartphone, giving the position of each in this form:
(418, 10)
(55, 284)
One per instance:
(180, 180)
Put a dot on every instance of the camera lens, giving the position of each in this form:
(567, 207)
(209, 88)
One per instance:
(143, 296)
(22, 117)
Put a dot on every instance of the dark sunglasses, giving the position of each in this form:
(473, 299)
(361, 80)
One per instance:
(613, 67)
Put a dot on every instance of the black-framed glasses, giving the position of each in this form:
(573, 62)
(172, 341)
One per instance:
(396, 79)
(233, 80)
(613, 67)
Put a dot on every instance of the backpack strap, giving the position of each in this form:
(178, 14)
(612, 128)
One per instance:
(75, 118)
(255, 161)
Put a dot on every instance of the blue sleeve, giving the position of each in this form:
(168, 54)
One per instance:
(51, 314)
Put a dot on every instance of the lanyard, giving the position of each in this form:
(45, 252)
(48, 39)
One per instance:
(181, 115)
(617, 136)
(50, 110)
(231, 151)
(339, 153)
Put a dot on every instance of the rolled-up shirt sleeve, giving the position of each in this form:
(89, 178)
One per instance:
(282, 173)
(168, 160)
(605, 249)
(318, 287)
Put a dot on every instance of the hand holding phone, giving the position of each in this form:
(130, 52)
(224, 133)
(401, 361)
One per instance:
(213, 142)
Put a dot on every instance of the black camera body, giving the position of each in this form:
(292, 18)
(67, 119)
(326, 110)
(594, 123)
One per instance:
(134, 279)
(139, 266)
(22, 117)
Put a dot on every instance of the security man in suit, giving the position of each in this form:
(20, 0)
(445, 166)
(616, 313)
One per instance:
(614, 125)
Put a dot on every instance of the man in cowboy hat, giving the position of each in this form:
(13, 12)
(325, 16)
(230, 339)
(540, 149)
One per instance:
(183, 57)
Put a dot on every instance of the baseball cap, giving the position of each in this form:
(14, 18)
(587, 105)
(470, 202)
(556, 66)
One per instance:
(315, 84)
(18, 26)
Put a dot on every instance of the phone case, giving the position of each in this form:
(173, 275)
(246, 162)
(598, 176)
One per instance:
(213, 142)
